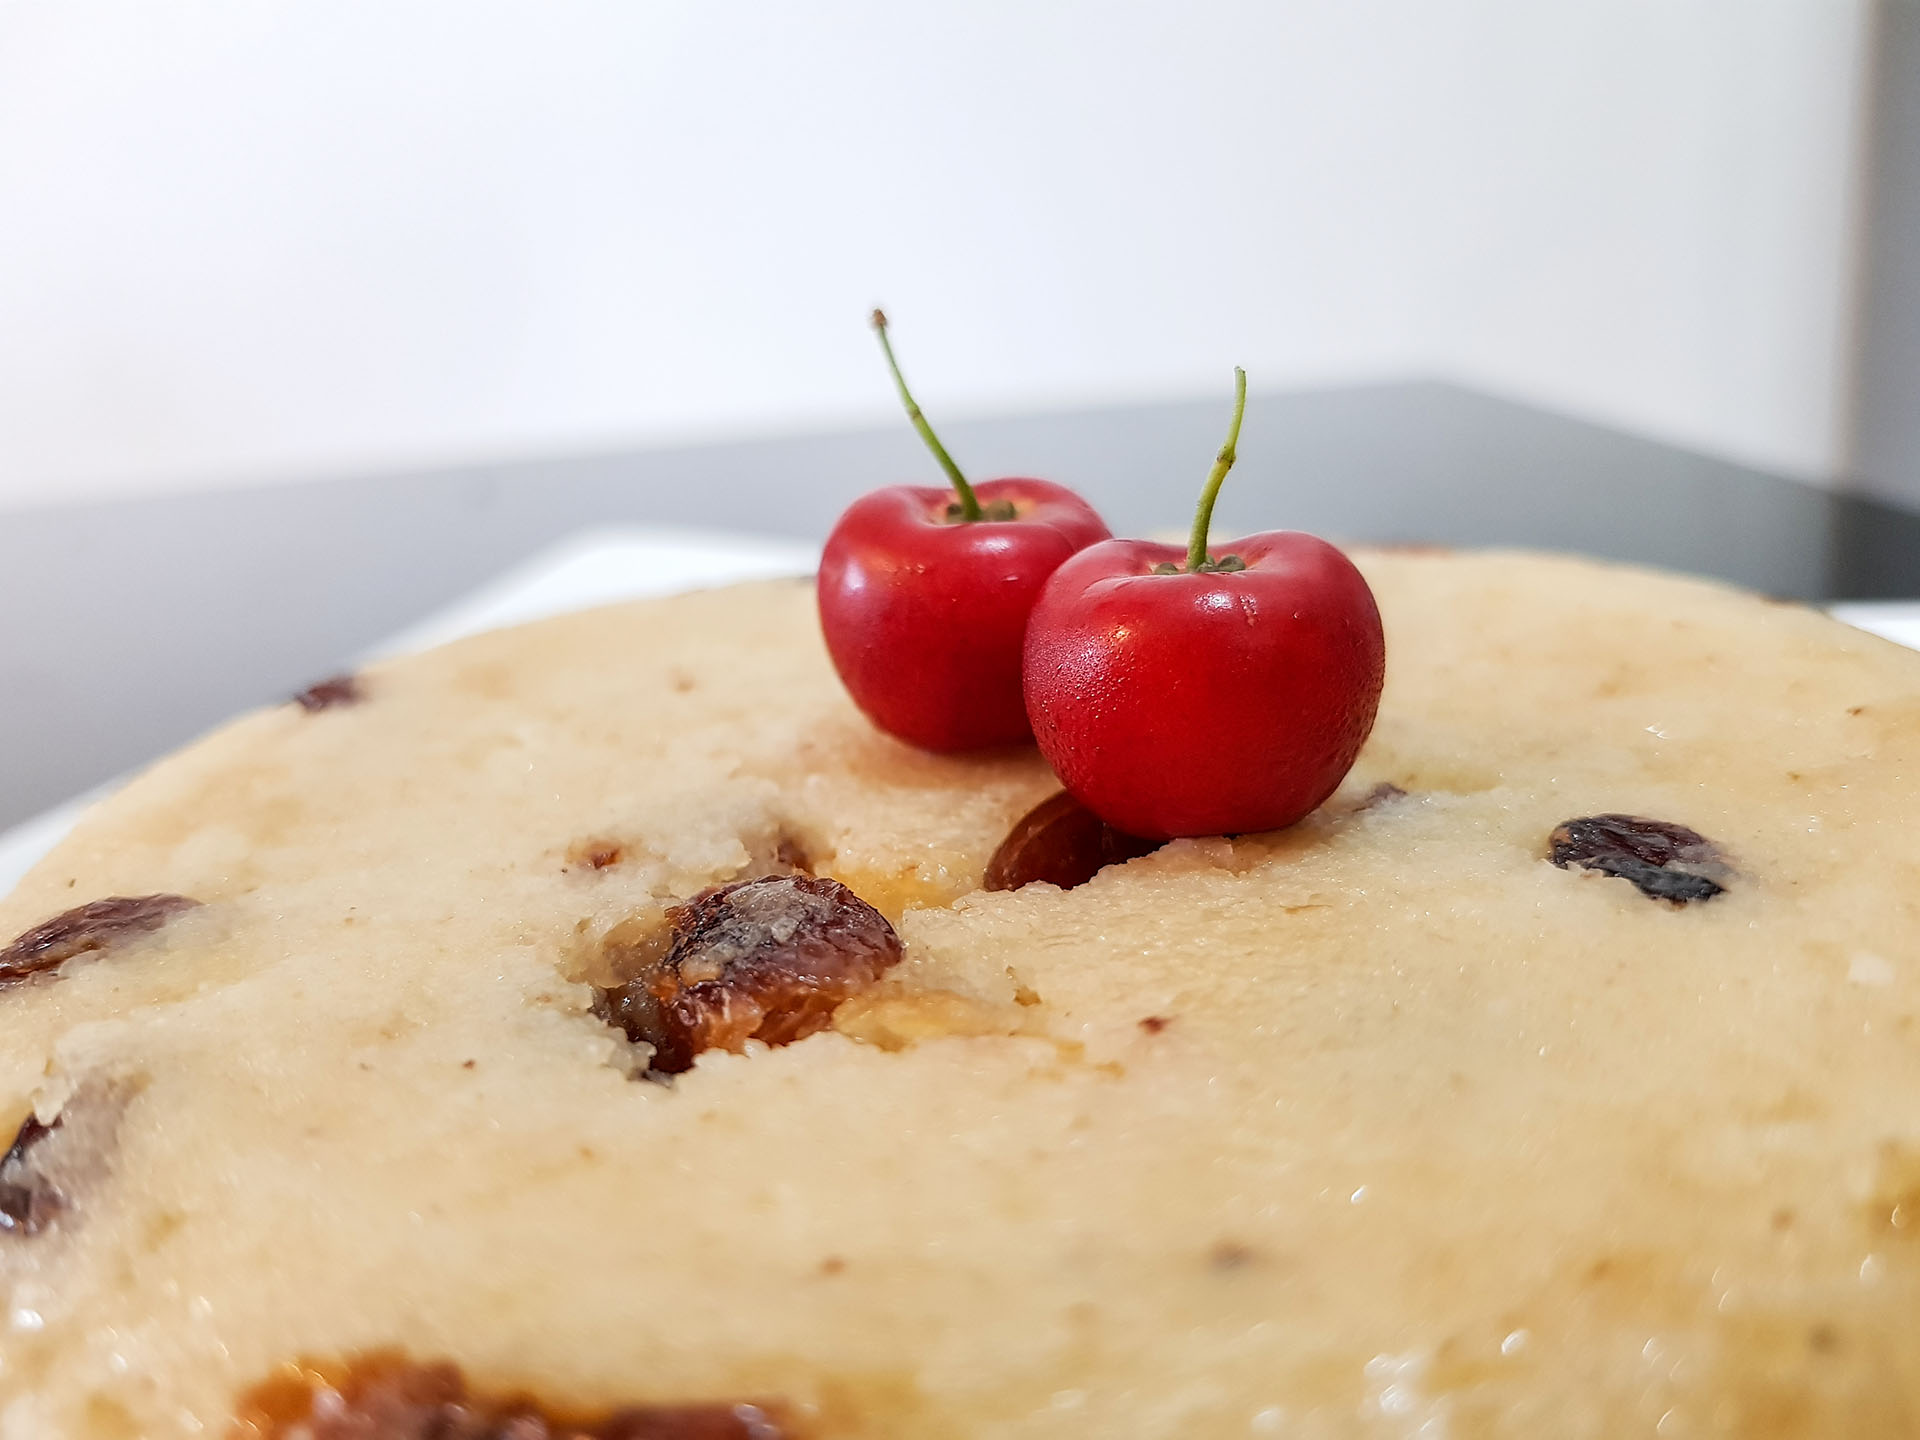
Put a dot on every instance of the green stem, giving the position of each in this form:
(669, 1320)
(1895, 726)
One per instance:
(1203, 517)
(969, 502)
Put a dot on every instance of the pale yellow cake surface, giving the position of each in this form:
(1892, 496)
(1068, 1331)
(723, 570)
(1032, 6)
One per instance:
(1435, 1140)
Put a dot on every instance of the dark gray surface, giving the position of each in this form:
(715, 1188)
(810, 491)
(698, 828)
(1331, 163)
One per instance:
(131, 626)
(1887, 418)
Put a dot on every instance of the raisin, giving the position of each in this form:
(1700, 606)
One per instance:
(765, 959)
(1063, 843)
(85, 928)
(334, 690)
(52, 1166)
(1666, 861)
(28, 1198)
(386, 1396)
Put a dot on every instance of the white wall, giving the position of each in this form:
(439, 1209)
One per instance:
(244, 241)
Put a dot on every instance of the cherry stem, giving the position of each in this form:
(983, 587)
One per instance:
(1203, 517)
(969, 502)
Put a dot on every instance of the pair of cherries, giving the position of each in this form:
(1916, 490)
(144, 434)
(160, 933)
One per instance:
(1174, 692)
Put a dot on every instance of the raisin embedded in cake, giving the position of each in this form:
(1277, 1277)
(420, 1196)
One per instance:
(28, 1198)
(334, 691)
(1663, 860)
(86, 928)
(767, 959)
(1060, 842)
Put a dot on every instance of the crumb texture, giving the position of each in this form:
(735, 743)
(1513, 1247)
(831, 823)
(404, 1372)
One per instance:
(1388, 1125)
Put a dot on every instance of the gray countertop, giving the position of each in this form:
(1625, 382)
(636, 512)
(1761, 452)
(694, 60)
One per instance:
(131, 626)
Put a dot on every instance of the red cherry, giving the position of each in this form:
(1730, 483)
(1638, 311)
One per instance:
(924, 617)
(1176, 694)
(924, 609)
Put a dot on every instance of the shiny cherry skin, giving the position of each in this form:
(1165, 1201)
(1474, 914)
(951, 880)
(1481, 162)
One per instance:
(925, 613)
(1216, 702)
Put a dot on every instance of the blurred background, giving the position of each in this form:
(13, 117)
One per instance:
(248, 242)
(313, 315)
